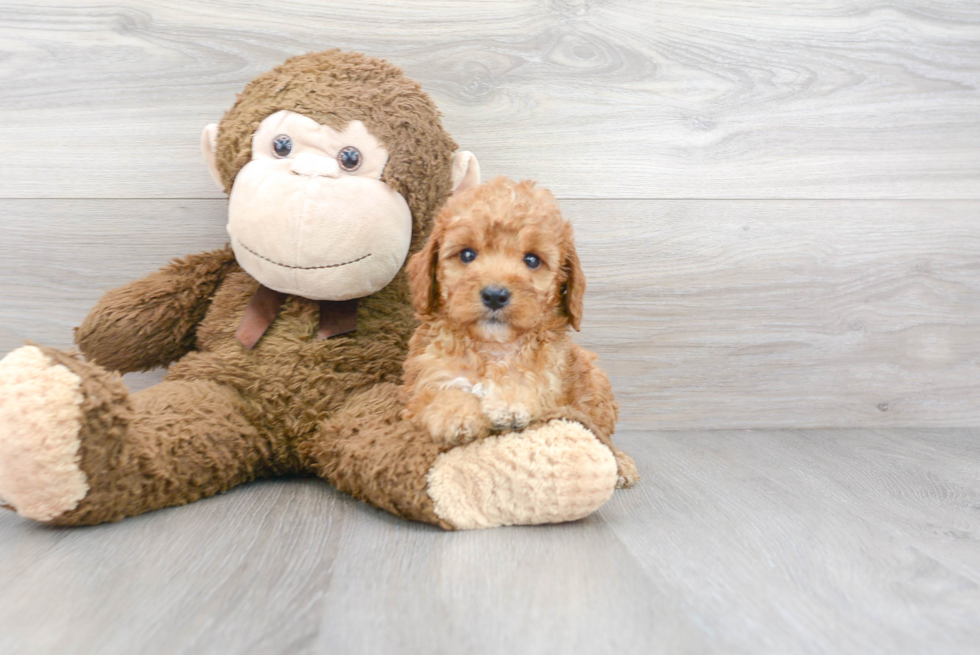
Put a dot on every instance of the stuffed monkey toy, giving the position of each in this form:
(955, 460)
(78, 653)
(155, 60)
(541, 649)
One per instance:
(284, 348)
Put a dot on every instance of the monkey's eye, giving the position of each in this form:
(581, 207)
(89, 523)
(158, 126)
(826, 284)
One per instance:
(467, 255)
(349, 159)
(283, 145)
(532, 260)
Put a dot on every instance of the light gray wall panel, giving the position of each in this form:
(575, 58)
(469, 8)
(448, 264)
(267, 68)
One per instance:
(706, 313)
(620, 99)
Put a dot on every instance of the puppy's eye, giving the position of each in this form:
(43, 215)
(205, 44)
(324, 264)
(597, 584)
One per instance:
(532, 260)
(349, 159)
(467, 255)
(282, 145)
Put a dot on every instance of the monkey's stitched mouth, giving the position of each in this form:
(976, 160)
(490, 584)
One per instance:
(302, 268)
(314, 175)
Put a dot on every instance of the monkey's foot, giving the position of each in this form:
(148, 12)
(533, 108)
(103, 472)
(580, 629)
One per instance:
(40, 419)
(551, 474)
(50, 402)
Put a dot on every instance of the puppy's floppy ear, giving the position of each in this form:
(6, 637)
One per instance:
(422, 274)
(573, 289)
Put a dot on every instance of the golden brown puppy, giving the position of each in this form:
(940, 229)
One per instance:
(496, 288)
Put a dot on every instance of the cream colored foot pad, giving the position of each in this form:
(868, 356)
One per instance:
(555, 473)
(40, 418)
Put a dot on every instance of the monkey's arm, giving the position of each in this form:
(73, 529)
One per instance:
(151, 322)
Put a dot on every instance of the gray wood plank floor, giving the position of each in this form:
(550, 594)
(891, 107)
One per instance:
(824, 541)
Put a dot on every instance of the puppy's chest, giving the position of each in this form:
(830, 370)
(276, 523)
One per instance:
(505, 371)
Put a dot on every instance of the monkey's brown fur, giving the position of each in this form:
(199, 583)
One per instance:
(334, 88)
(226, 414)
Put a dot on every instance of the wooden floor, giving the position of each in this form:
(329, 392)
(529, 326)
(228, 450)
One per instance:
(777, 205)
(824, 541)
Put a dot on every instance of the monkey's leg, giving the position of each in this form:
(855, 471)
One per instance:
(76, 448)
(554, 471)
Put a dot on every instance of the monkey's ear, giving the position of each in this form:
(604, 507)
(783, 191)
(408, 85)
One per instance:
(209, 146)
(573, 290)
(466, 171)
(422, 274)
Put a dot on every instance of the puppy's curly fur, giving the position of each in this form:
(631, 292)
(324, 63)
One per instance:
(496, 288)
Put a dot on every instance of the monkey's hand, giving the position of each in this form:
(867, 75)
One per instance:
(151, 322)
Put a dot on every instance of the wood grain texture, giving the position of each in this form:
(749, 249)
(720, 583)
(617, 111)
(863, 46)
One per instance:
(706, 313)
(618, 99)
(785, 314)
(862, 540)
(754, 542)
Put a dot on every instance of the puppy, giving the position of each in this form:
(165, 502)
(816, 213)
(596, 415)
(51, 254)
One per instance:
(496, 288)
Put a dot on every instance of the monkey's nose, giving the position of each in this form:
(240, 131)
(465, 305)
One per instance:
(495, 297)
(312, 165)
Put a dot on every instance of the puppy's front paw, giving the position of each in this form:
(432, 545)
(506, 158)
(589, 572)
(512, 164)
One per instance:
(505, 417)
(454, 426)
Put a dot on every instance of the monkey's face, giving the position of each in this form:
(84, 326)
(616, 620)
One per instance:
(310, 216)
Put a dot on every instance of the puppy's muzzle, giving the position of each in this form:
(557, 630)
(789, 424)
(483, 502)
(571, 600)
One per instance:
(495, 297)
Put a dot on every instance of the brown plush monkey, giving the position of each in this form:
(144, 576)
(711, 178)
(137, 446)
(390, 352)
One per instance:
(285, 349)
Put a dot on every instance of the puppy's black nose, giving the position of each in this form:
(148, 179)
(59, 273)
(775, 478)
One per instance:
(495, 297)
